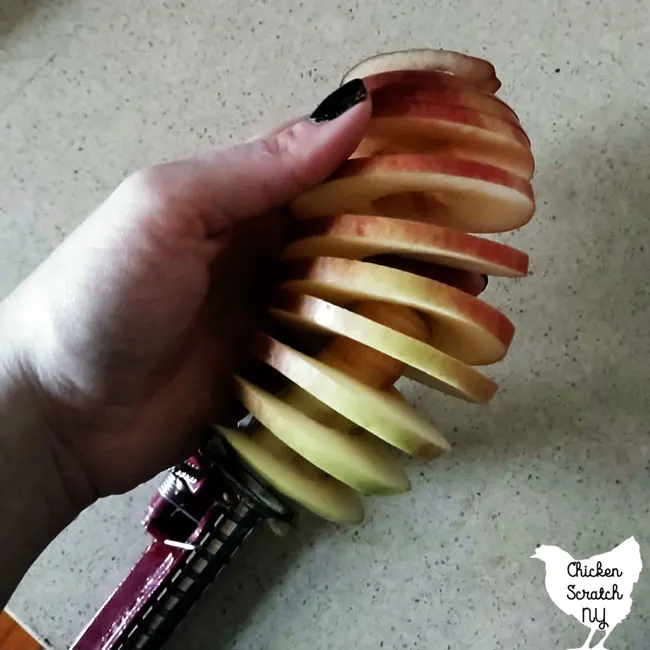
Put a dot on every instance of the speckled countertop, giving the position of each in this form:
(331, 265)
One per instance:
(91, 89)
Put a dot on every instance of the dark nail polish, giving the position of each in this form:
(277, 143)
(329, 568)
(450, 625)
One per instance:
(340, 101)
(485, 279)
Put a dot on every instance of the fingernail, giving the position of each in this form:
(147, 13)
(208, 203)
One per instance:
(340, 101)
(485, 279)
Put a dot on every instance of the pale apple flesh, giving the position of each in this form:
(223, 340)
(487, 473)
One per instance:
(377, 370)
(355, 236)
(370, 408)
(468, 281)
(460, 194)
(462, 325)
(272, 455)
(422, 361)
(313, 489)
(350, 458)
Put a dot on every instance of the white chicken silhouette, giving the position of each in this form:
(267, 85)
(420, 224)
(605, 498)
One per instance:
(597, 591)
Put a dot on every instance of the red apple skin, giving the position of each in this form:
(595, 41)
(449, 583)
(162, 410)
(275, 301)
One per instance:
(426, 112)
(433, 86)
(461, 194)
(515, 159)
(391, 237)
(410, 117)
(434, 164)
(471, 70)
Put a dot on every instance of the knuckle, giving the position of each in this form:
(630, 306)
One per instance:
(150, 186)
(287, 147)
(148, 179)
(270, 146)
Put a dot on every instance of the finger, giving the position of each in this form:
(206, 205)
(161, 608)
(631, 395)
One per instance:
(272, 170)
(250, 179)
(266, 133)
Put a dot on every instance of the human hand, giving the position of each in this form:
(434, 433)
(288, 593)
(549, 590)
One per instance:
(128, 333)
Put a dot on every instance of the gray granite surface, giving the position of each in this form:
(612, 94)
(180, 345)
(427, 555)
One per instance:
(91, 89)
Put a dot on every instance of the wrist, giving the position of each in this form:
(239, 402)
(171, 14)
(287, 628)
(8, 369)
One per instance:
(36, 501)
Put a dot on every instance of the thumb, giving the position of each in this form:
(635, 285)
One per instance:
(262, 174)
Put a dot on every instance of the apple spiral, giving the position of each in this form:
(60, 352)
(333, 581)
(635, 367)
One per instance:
(382, 258)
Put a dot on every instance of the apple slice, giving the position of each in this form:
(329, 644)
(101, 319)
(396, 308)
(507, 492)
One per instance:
(460, 194)
(463, 326)
(424, 362)
(444, 123)
(355, 236)
(377, 370)
(405, 126)
(517, 160)
(341, 353)
(421, 127)
(477, 72)
(369, 408)
(467, 281)
(310, 487)
(351, 458)
(437, 87)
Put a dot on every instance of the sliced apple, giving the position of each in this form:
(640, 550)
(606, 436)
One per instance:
(401, 125)
(460, 194)
(405, 126)
(381, 260)
(378, 370)
(445, 123)
(477, 72)
(467, 281)
(402, 319)
(424, 362)
(313, 489)
(517, 160)
(372, 409)
(355, 236)
(351, 458)
(433, 86)
(462, 325)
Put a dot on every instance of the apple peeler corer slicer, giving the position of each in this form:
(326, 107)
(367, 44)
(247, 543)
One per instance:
(203, 511)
